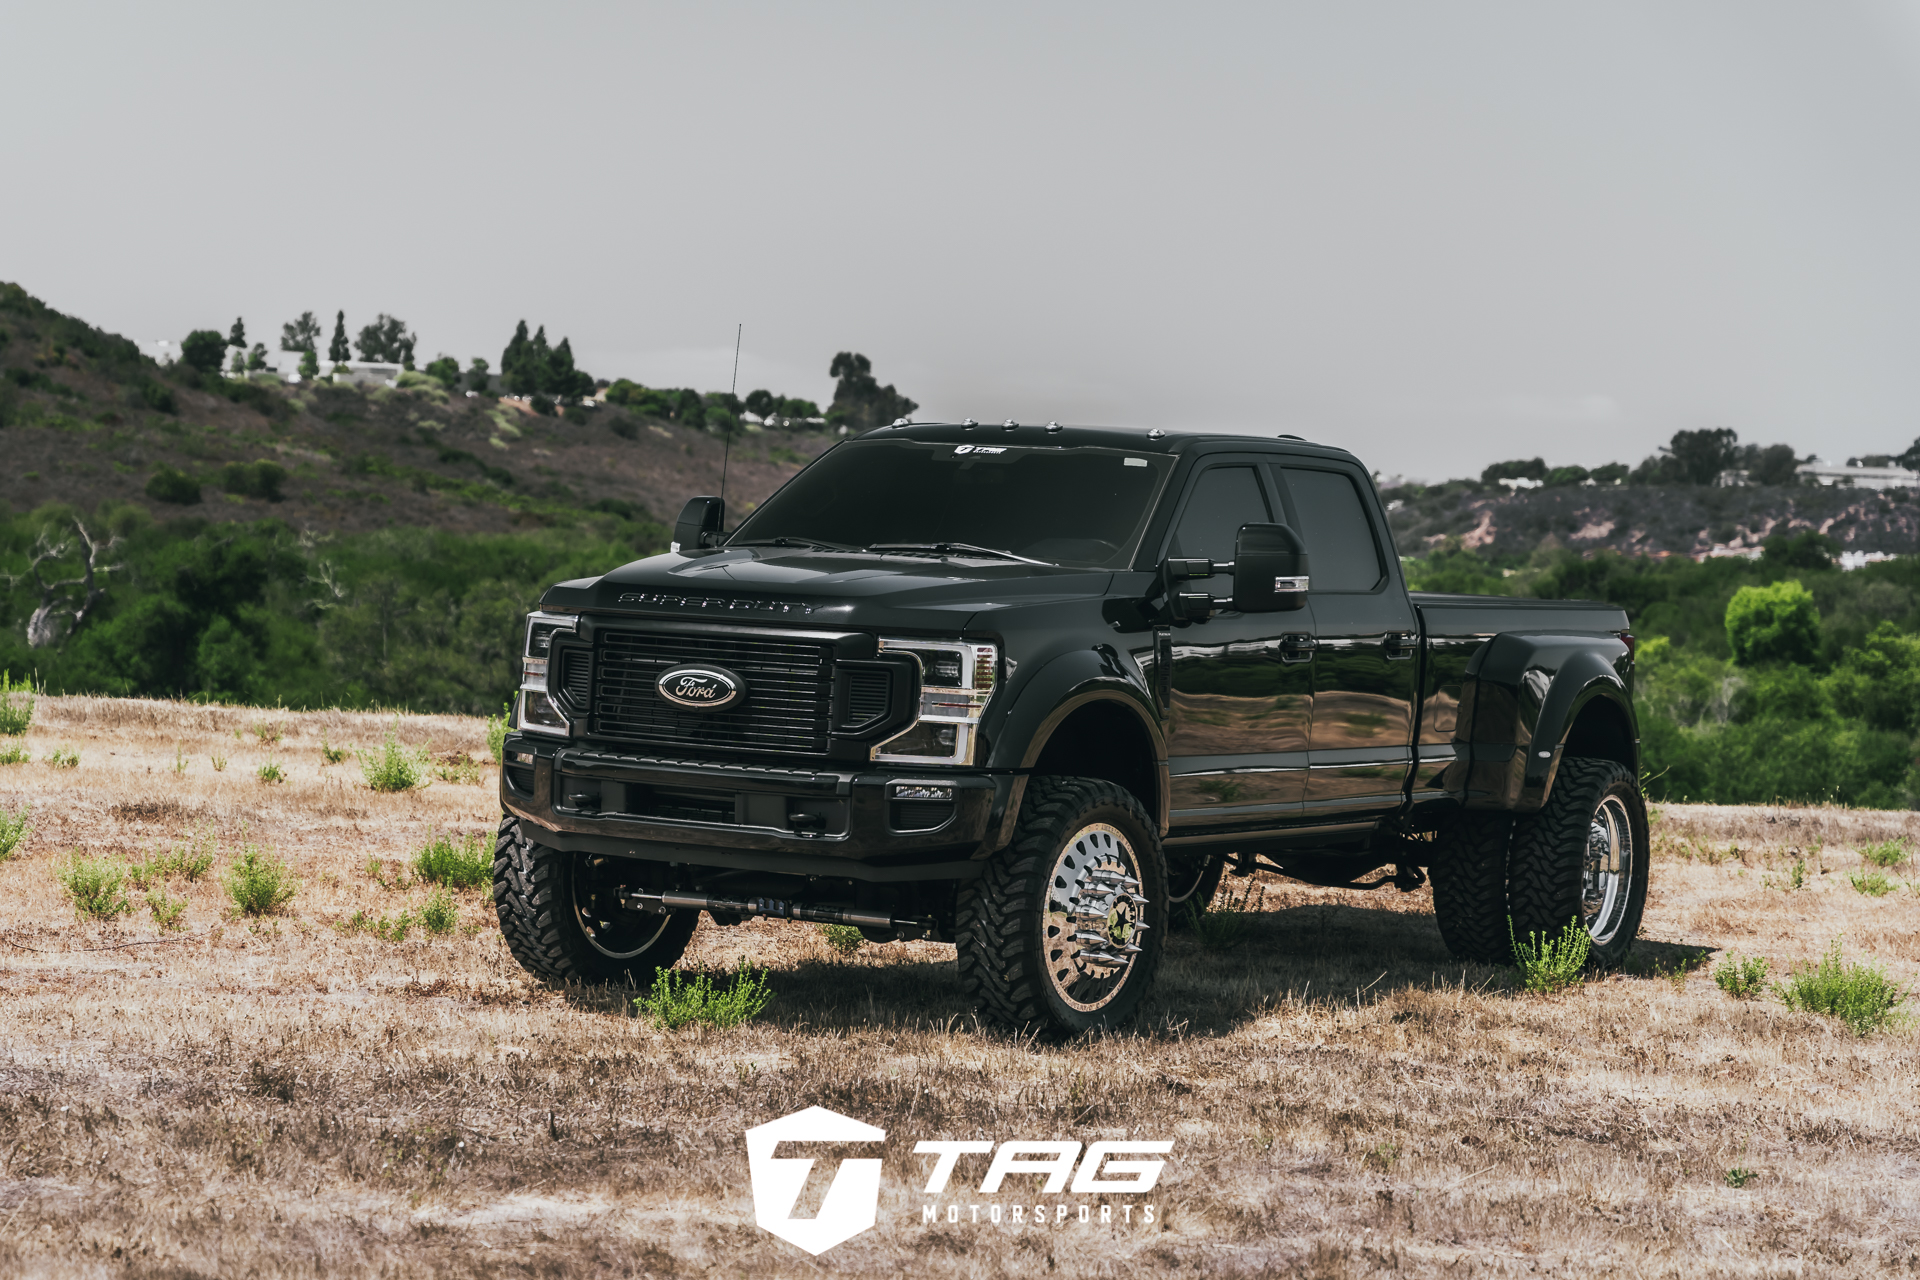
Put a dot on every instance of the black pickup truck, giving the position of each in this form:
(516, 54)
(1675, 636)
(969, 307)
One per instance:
(1031, 690)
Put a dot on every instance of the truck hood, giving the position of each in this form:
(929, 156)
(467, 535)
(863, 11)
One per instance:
(832, 589)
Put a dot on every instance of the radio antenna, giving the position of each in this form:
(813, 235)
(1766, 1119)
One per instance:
(733, 391)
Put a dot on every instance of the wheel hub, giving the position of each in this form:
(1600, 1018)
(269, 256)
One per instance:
(1095, 914)
(1608, 870)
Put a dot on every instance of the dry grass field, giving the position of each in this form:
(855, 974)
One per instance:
(280, 1097)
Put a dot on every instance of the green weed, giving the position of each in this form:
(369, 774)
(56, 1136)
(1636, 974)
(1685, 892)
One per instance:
(64, 757)
(457, 767)
(330, 754)
(271, 772)
(14, 830)
(16, 705)
(497, 731)
(1738, 1177)
(438, 914)
(845, 939)
(16, 754)
(1545, 965)
(679, 998)
(1227, 921)
(219, 763)
(1860, 995)
(390, 928)
(96, 886)
(1742, 979)
(1875, 884)
(392, 767)
(1888, 853)
(267, 732)
(259, 883)
(166, 911)
(460, 862)
(377, 872)
(179, 762)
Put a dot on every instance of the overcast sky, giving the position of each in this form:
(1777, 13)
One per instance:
(1436, 234)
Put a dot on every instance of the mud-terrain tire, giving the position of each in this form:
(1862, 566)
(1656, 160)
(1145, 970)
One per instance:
(1583, 857)
(1469, 875)
(556, 916)
(1077, 844)
(1192, 880)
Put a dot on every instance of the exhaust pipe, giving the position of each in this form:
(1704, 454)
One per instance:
(906, 928)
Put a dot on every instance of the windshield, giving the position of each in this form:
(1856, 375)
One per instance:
(1079, 507)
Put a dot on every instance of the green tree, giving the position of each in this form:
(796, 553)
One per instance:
(1612, 473)
(477, 374)
(257, 358)
(1566, 475)
(302, 334)
(338, 352)
(309, 364)
(760, 404)
(1774, 623)
(1808, 549)
(203, 349)
(387, 341)
(1773, 465)
(860, 403)
(1517, 469)
(237, 336)
(445, 371)
(1700, 456)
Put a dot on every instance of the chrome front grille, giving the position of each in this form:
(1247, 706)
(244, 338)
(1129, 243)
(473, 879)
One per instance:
(789, 690)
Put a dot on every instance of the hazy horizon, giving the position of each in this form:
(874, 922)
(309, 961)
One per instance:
(1436, 236)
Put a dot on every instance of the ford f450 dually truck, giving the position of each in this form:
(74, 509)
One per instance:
(1031, 690)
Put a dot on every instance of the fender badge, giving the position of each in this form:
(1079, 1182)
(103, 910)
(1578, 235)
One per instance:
(699, 688)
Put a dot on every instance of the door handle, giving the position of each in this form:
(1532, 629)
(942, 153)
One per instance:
(1400, 646)
(1297, 648)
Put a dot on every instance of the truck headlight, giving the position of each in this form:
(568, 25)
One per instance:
(536, 712)
(956, 680)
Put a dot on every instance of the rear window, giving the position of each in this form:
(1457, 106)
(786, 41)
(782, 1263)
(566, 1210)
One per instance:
(1334, 525)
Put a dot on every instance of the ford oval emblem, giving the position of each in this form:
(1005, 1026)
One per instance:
(699, 688)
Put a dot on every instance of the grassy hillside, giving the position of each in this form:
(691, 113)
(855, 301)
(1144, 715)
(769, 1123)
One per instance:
(88, 420)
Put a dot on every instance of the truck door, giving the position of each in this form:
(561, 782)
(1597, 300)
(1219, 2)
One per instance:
(1241, 698)
(1365, 658)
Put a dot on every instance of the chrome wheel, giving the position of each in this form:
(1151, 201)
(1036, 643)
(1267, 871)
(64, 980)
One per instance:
(1095, 914)
(1607, 874)
(610, 928)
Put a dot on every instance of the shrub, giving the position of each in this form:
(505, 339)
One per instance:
(1874, 884)
(14, 829)
(158, 397)
(391, 928)
(497, 731)
(1888, 853)
(456, 766)
(460, 862)
(169, 484)
(438, 914)
(166, 911)
(203, 349)
(392, 767)
(96, 886)
(271, 772)
(259, 883)
(1545, 965)
(1774, 623)
(679, 998)
(844, 939)
(254, 480)
(1860, 995)
(16, 754)
(330, 754)
(1227, 921)
(1742, 979)
(189, 861)
(64, 757)
(16, 705)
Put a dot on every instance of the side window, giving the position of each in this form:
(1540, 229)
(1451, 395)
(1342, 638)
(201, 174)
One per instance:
(1222, 499)
(1333, 522)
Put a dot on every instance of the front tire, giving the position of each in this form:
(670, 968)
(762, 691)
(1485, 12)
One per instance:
(1583, 858)
(1063, 932)
(561, 918)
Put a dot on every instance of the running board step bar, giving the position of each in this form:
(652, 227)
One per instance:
(905, 927)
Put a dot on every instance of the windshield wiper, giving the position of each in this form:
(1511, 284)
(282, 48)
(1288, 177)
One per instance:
(787, 541)
(952, 548)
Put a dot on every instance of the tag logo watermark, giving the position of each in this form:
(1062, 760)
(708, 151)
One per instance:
(853, 1198)
(1101, 1170)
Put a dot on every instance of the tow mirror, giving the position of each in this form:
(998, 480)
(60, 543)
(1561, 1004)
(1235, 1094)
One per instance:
(1269, 569)
(699, 524)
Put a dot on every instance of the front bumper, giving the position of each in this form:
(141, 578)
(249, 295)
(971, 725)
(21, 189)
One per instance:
(846, 822)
